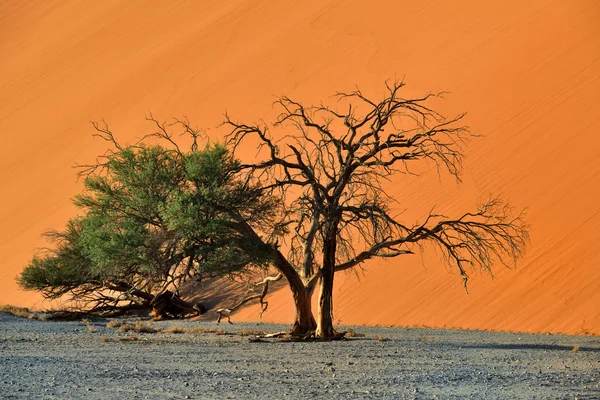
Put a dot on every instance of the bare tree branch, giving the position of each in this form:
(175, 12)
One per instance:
(330, 165)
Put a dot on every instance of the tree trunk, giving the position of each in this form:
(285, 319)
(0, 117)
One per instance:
(304, 322)
(325, 316)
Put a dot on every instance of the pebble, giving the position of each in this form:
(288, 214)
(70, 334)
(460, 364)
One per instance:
(56, 362)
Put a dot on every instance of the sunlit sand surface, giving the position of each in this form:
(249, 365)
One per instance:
(527, 73)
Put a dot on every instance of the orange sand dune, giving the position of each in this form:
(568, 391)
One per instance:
(527, 73)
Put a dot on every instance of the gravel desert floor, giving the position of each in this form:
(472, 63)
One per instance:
(64, 360)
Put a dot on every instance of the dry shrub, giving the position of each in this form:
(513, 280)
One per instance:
(199, 329)
(21, 312)
(126, 328)
(129, 338)
(90, 326)
(176, 329)
(115, 323)
(144, 327)
(352, 333)
(381, 339)
(139, 327)
(575, 349)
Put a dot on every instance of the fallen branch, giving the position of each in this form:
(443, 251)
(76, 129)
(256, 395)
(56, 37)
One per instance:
(226, 312)
(168, 304)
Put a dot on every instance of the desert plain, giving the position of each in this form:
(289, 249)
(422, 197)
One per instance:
(88, 360)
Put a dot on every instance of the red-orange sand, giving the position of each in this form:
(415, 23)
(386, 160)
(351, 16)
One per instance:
(527, 73)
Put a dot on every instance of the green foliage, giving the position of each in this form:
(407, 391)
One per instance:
(62, 268)
(154, 216)
(113, 243)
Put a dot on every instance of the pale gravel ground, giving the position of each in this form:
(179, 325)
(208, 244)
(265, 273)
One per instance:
(62, 360)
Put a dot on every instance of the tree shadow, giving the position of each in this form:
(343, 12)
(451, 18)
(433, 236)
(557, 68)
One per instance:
(224, 292)
(531, 346)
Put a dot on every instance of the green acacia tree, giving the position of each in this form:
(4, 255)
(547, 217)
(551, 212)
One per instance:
(153, 216)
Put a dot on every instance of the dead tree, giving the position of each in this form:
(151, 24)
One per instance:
(330, 166)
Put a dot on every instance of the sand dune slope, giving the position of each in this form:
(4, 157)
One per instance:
(526, 72)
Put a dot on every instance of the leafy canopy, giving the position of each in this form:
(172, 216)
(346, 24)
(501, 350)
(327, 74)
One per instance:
(152, 217)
